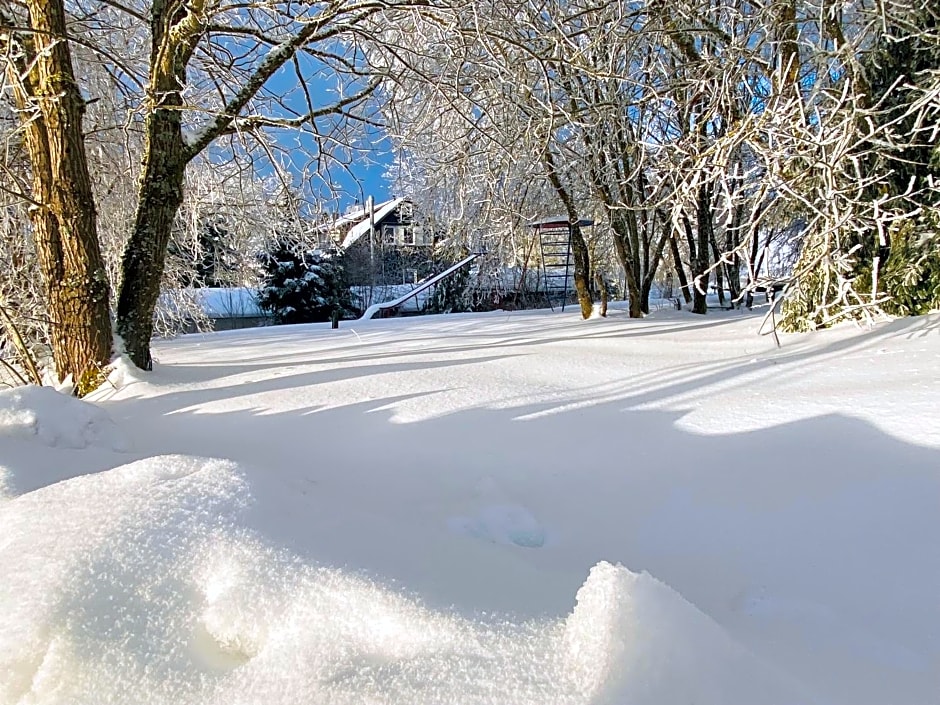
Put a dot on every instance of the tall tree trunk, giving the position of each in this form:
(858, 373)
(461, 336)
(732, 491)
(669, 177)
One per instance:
(64, 221)
(786, 38)
(655, 250)
(680, 269)
(579, 249)
(176, 27)
(161, 195)
(175, 30)
(719, 271)
(699, 246)
(582, 270)
(733, 244)
(635, 277)
(636, 296)
(602, 289)
(622, 245)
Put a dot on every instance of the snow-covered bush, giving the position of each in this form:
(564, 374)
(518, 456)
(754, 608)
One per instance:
(450, 294)
(912, 273)
(302, 286)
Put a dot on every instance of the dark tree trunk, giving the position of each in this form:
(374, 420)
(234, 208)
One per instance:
(161, 195)
(734, 276)
(625, 253)
(788, 51)
(65, 224)
(645, 294)
(655, 249)
(733, 244)
(636, 296)
(176, 27)
(163, 173)
(582, 269)
(602, 289)
(700, 259)
(631, 234)
(579, 249)
(719, 272)
(680, 269)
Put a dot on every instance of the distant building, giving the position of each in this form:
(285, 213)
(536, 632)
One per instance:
(394, 245)
(204, 309)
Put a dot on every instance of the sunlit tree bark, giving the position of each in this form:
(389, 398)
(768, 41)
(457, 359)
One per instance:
(63, 216)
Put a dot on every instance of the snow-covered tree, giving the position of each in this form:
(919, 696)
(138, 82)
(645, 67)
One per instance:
(191, 74)
(302, 286)
(866, 178)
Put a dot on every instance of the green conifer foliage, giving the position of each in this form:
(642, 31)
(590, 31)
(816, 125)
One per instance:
(302, 286)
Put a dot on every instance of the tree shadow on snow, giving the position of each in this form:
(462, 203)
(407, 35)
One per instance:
(823, 528)
(799, 538)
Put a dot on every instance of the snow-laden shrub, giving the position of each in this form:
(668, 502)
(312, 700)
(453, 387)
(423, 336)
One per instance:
(911, 275)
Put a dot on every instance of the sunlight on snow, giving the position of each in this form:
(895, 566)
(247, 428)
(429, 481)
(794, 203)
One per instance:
(393, 488)
(141, 587)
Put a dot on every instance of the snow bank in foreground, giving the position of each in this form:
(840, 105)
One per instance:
(55, 419)
(95, 601)
(632, 639)
(138, 585)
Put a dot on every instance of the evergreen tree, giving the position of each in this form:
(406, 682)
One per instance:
(902, 65)
(208, 259)
(217, 265)
(302, 286)
(900, 161)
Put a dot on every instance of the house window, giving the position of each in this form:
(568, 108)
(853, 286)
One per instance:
(408, 236)
(388, 235)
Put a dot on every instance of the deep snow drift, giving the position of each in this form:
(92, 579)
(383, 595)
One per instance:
(498, 508)
(151, 592)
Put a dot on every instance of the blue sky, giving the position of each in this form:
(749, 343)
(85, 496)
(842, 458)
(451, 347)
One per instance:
(367, 175)
(366, 164)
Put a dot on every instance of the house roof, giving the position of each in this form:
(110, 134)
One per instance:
(353, 214)
(362, 227)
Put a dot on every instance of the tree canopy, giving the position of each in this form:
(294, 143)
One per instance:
(706, 138)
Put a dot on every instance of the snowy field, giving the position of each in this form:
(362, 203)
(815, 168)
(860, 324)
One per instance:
(493, 509)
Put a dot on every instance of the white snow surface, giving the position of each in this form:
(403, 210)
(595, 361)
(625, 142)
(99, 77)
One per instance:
(501, 508)
(232, 302)
(56, 420)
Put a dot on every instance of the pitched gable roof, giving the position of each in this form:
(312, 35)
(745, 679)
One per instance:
(362, 227)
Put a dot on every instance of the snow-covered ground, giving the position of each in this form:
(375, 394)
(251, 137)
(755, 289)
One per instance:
(500, 508)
